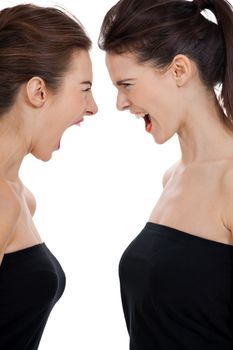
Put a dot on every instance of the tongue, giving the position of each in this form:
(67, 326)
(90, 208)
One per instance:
(149, 127)
(148, 123)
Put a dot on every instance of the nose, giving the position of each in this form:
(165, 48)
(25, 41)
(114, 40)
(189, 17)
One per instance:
(122, 102)
(92, 107)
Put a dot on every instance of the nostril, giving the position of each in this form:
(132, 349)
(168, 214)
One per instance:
(122, 108)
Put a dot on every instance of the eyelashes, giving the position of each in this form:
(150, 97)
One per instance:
(126, 86)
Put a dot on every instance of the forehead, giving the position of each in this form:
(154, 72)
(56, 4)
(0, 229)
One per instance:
(121, 62)
(80, 65)
(122, 65)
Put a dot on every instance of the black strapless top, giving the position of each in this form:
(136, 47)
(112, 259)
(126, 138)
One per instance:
(31, 282)
(177, 291)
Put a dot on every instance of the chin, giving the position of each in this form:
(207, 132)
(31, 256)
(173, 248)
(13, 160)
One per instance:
(44, 157)
(160, 141)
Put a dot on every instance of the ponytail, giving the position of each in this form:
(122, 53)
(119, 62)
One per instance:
(223, 12)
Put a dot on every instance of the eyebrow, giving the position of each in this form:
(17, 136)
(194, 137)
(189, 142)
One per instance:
(86, 82)
(121, 82)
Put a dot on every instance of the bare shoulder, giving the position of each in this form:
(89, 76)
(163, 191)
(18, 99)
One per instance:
(226, 192)
(30, 198)
(10, 209)
(226, 183)
(8, 197)
(168, 173)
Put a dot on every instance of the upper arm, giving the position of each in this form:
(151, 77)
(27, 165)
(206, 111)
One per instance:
(9, 214)
(167, 174)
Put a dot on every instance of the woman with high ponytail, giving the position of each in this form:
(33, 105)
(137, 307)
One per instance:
(173, 66)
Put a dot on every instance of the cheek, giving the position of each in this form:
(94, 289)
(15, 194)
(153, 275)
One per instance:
(165, 102)
(67, 108)
(76, 102)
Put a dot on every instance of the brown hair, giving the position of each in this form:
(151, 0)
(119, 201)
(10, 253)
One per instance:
(157, 30)
(36, 41)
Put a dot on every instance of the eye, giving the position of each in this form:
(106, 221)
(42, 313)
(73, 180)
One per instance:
(126, 86)
(87, 90)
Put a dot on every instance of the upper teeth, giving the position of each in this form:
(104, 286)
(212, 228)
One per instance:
(140, 115)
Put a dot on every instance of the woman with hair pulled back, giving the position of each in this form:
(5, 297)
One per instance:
(45, 87)
(166, 58)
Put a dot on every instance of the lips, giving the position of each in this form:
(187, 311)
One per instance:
(147, 118)
(58, 145)
(78, 122)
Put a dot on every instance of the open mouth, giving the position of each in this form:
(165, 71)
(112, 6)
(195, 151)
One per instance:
(77, 122)
(148, 122)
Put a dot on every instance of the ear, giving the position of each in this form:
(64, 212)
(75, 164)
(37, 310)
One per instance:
(182, 69)
(36, 92)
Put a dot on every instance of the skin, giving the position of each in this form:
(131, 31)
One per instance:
(191, 111)
(179, 103)
(34, 125)
(39, 117)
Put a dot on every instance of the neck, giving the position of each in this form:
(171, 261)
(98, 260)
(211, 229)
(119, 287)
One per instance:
(13, 148)
(204, 137)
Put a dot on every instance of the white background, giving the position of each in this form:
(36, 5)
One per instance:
(93, 197)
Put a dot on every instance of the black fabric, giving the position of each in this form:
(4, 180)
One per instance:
(31, 282)
(177, 291)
